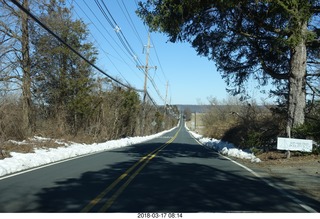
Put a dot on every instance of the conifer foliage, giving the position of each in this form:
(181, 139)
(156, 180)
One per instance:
(268, 41)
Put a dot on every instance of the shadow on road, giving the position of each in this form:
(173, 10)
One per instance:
(181, 178)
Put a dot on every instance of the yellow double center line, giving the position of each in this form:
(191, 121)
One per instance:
(144, 160)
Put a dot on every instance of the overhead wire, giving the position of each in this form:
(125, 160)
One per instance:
(70, 47)
(105, 11)
(32, 16)
(112, 22)
(115, 27)
(155, 49)
(103, 26)
(130, 58)
(101, 48)
(130, 21)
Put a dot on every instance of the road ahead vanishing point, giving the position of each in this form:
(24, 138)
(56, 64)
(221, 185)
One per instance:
(172, 173)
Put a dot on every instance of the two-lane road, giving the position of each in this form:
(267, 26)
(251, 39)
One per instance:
(172, 173)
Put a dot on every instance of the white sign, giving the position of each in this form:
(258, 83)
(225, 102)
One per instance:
(292, 144)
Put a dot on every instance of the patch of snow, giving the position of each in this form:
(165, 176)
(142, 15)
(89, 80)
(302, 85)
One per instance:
(38, 138)
(19, 142)
(224, 148)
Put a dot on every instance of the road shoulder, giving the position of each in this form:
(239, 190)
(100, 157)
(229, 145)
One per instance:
(299, 173)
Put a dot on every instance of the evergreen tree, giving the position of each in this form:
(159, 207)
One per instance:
(267, 40)
(64, 80)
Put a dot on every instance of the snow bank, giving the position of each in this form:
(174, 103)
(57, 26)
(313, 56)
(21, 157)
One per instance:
(18, 161)
(224, 148)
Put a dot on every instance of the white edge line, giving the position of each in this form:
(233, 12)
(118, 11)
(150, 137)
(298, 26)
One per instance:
(48, 165)
(298, 201)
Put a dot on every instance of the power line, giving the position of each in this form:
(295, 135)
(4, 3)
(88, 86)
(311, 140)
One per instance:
(80, 55)
(106, 53)
(105, 30)
(103, 35)
(75, 51)
(130, 21)
(155, 49)
(68, 46)
(106, 13)
(112, 22)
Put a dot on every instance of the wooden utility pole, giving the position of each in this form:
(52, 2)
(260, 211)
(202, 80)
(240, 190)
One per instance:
(195, 121)
(167, 92)
(165, 103)
(146, 72)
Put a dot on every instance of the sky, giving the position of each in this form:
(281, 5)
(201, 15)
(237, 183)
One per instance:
(191, 79)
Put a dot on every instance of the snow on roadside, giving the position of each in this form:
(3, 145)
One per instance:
(19, 161)
(224, 148)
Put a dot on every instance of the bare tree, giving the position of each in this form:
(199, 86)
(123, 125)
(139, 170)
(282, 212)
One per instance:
(15, 52)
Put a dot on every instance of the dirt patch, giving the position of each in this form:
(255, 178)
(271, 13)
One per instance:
(300, 171)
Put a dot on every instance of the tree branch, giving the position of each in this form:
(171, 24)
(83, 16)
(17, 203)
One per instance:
(265, 67)
(314, 62)
(313, 75)
(7, 78)
(315, 9)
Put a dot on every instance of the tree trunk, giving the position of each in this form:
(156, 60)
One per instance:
(26, 69)
(297, 85)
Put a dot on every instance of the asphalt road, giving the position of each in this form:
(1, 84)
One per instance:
(172, 173)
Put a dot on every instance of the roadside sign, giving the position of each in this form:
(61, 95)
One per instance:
(293, 144)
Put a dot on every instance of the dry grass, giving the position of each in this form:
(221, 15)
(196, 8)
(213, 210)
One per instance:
(278, 156)
(28, 146)
(245, 125)
(196, 123)
(11, 120)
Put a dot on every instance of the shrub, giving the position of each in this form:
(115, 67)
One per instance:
(311, 128)
(256, 127)
(11, 120)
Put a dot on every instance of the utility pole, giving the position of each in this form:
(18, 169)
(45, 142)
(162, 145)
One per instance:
(146, 72)
(195, 121)
(165, 103)
(167, 92)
